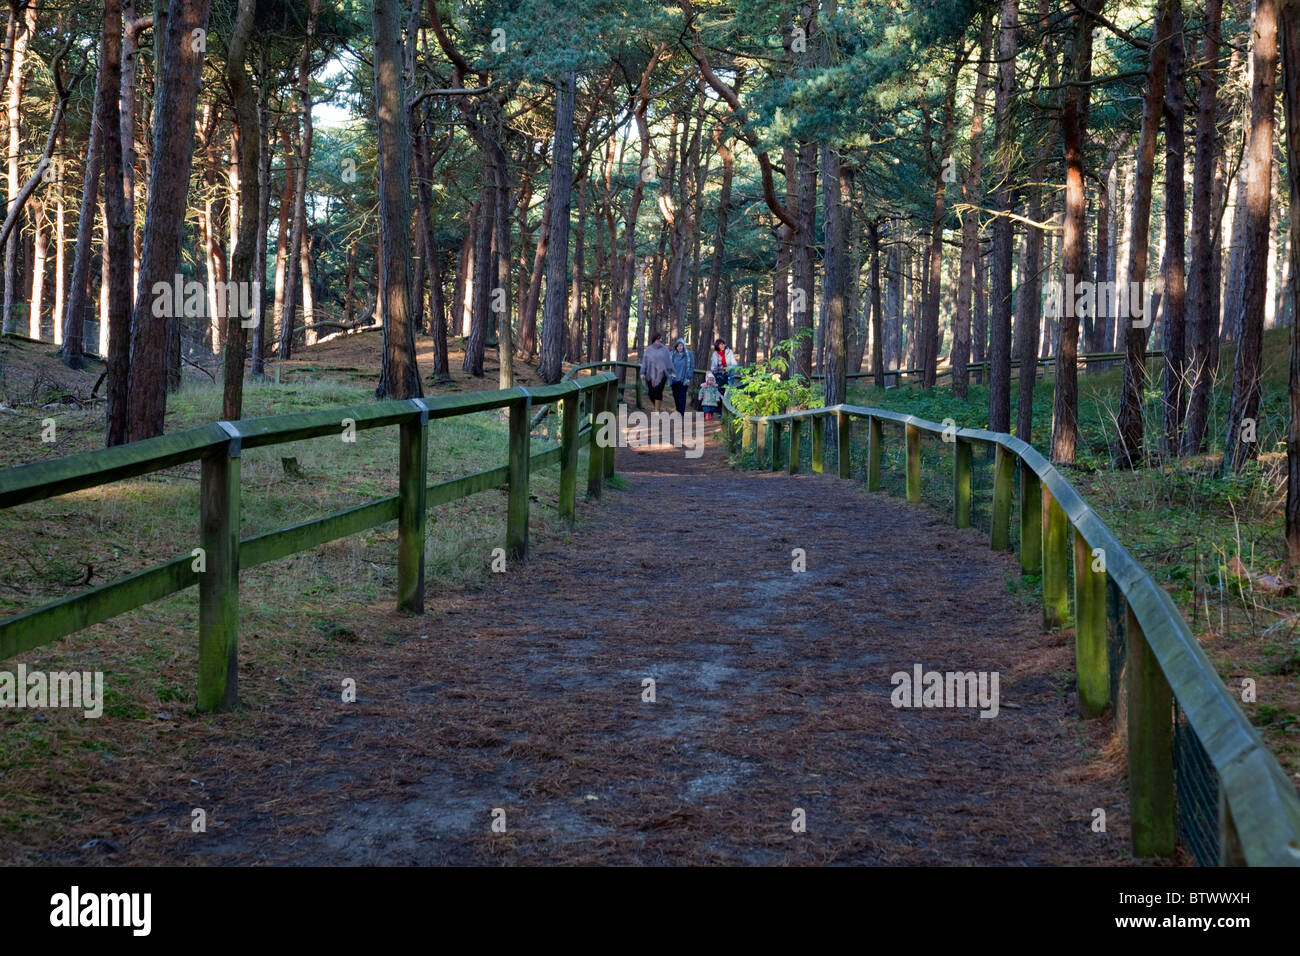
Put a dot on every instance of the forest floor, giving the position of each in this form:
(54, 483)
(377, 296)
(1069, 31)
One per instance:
(521, 698)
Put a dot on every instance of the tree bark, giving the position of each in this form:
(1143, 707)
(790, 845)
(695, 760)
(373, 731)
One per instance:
(169, 178)
(970, 227)
(1202, 294)
(559, 196)
(1244, 408)
(118, 248)
(241, 259)
(1290, 20)
(1000, 319)
(399, 377)
(1130, 423)
(1175, 263)
(1074, 253)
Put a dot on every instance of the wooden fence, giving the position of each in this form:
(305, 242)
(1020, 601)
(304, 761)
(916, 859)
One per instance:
(1259, 811)
(215, 565)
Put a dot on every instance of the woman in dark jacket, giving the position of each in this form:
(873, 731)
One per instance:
(683, 373)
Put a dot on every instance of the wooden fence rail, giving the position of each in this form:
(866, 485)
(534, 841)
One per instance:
(1259, 811)
(215, 564)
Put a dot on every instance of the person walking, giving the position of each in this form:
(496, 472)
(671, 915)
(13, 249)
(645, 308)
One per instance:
(657, 369)
(722, 362)
(683, 374)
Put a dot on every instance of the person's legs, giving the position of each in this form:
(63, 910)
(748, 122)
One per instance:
(679, 396)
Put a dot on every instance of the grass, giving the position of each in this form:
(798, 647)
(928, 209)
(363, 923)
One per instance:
(1185, 521)
(295, 614)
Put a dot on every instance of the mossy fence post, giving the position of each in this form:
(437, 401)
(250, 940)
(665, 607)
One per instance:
(913, 464)
(1092, 661)
(411, 511)
(517, 509)
(218, 567)
(569, 455)
(1031, 521)
(796, 441)
(818, 426)
(1150, 746)
(1056, 562)
(961, 487)
(845, 425)
(611, 406)
(875, 447)
(1003, 466)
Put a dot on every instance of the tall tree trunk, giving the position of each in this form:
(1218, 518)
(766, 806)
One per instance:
(930, 320)
(837, 193)
(1130, 423)
(297, 233)
(501, 223)
(284, 217)
(877, 314)
(241, 259)
(533, 298)
(169, 178)
(1000, 319)
(118, 247)
(704, 338)
(437, 318)
(482, 285)
(1202, 294)
(1175, 278)
(1074, 253)
(1290, 20)
(260, 332)
(17, 84)
(40, 230)
(399, 377)
(970, 227)
(1243, 413)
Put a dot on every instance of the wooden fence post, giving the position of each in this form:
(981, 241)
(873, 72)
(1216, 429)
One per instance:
(961, 474)
(517, 509)
(411, 511)
(874, 449)
(818, 426)
(1150, 747)
(913, 464)
(1003, 463)
(1031, 521)
(1056, 557)
(777, 429)
(1091, 658)
(845, 425)
(747, 438)
(796, 440)
(218, 565)
(611, 406)
(595, 454)
(569, 457)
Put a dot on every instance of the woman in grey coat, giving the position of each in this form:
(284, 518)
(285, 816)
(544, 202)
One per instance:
(683, 374)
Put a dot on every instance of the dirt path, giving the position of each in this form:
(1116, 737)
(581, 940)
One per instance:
(772, 695)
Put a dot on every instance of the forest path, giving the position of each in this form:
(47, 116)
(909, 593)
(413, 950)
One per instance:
(772, 694)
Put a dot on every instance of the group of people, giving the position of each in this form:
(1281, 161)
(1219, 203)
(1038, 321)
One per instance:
(661, 367)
